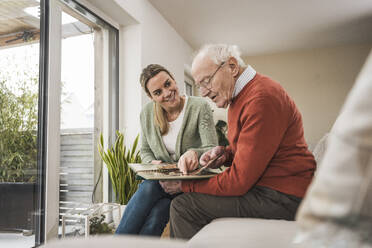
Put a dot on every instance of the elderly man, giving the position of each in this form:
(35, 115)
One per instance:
(270, 166)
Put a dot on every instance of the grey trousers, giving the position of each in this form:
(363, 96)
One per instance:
(190, 212)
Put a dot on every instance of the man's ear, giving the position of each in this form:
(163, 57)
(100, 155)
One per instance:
(234, 66)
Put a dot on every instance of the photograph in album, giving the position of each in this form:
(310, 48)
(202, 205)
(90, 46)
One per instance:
(170, 171)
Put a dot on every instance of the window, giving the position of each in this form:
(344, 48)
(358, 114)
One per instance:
(58, 77)
(19, 122)
(88, 103)
(189, 90)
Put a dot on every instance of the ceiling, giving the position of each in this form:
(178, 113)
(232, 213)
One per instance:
(13, 17)
(20, 22)
(270, 26)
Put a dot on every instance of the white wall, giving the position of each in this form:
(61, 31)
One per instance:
(318, 80)
(144, 37)
(150, 40)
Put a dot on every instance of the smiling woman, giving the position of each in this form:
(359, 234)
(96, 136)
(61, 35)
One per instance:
(174, 128)
(160, 86)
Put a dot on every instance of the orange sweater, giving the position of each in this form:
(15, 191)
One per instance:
(267, 145)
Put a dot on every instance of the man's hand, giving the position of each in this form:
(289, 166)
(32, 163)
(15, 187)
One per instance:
(188, 161)
(218, 151)
(171, 186)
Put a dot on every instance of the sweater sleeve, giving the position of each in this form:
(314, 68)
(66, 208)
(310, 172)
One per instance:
(207, 131)
(262, 128)
(229, 156)
(146, 153)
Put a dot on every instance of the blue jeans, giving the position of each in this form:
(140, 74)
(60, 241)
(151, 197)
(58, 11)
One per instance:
(147, 212)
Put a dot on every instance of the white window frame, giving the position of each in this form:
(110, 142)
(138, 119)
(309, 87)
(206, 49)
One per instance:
(108, 99)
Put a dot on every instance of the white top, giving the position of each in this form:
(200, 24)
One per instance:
(247, 75)
(170, 138)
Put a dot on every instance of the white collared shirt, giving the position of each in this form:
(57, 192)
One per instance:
(247, 75)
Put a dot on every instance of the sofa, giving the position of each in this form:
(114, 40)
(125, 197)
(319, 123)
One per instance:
(223, 232)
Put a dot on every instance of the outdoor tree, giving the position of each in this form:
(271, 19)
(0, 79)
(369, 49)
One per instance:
(18, 124)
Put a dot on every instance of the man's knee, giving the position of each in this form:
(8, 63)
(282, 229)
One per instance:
(178, 206)
(175, 205)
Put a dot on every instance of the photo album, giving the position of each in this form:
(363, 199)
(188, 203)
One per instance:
(167, 171)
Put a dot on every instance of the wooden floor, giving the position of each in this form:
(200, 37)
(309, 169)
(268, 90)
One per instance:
(165, 234)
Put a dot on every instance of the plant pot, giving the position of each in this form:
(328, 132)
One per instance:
(17, 206)
(117, 217)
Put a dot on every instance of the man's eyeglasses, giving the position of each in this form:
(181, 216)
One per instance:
(206, 83)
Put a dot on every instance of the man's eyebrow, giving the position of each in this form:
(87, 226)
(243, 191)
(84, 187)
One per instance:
(204, 78)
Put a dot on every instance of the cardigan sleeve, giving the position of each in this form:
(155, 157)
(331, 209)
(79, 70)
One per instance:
(207, 131)
(146, 153)
(262, 128)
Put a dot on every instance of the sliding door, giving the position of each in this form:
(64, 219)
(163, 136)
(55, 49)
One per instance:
(21, 124)
(58, 93)
(85, 59)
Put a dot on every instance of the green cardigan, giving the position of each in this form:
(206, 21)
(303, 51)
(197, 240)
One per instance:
(197, 132)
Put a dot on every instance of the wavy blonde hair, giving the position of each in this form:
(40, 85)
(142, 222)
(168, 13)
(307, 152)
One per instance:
(160, 118)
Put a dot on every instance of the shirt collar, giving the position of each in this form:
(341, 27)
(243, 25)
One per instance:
(247, 75)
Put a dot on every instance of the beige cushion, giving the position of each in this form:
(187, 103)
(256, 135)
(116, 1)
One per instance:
(245, 232)
(320, 149)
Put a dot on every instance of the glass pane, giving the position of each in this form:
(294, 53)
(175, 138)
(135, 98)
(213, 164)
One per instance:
(88, 72)
(188, 89)
(77, 117)
(19, 85)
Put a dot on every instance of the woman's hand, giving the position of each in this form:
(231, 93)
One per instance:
(188, 161)
(171, 186)
(218, 151)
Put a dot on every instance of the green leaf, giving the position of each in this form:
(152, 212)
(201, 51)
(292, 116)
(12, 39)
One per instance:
(116, 158)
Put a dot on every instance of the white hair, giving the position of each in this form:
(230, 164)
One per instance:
(219, 53)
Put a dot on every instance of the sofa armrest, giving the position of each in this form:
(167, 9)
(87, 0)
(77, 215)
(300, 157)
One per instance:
(246, 232)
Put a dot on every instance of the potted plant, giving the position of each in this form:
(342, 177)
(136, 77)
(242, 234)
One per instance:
(98, 226)
(18, 155)
(117, 158)
(221, 129)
